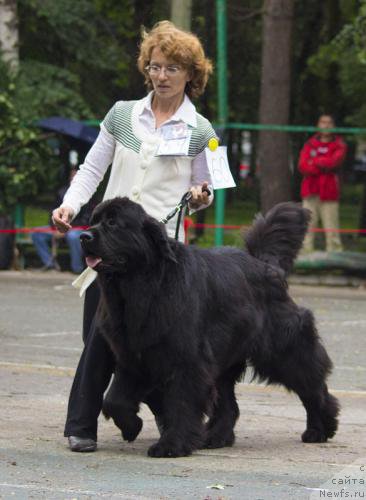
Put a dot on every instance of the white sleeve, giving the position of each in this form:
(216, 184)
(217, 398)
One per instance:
(200, 174)
(91, 172)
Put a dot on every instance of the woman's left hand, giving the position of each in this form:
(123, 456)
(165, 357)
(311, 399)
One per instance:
(199, 195)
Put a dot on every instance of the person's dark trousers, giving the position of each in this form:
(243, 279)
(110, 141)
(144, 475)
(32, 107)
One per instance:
(92, 376)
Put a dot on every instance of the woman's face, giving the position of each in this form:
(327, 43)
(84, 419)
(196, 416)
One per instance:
(168, 78)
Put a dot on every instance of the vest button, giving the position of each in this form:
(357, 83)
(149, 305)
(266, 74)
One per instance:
(144, 165)
(135, 191)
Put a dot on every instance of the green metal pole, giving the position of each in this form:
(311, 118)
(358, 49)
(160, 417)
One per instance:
(19, 215)
(222, 106)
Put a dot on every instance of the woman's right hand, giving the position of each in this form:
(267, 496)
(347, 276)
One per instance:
(62, 217)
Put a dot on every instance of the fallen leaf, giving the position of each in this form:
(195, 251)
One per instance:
(216, 487)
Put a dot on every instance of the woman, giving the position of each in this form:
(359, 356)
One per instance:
(156, 147)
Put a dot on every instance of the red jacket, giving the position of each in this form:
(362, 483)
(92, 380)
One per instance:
(318, 163)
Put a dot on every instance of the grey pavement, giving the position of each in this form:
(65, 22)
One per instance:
(40, 323)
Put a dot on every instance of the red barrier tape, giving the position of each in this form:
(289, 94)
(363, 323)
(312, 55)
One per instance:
(188, 225)
(25, 230)
(313, 230)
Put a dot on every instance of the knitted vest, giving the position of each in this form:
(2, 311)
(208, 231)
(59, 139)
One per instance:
(156, 182)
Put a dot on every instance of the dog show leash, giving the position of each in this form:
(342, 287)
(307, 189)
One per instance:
(179, 208)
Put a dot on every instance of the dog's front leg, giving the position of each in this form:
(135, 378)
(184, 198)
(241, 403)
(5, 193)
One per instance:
(122, 403)
(185, 402)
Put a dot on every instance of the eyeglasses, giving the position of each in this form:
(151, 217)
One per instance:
(171, 70)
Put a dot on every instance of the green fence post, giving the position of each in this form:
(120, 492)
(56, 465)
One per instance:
(222, 106)
(18, 216)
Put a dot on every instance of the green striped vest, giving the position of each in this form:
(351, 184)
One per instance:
(118, 123)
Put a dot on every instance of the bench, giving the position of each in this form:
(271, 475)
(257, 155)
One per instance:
(25, 254)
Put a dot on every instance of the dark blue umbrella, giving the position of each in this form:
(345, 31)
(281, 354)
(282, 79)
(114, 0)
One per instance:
(71, 128)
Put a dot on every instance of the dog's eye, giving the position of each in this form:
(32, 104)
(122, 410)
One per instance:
(111, 222)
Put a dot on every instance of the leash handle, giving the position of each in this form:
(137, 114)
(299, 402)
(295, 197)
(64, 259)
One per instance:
(188, 196)
(182, 204)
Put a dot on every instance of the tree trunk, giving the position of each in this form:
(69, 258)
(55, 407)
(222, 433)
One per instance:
(9, 36)
(9, 52)
(274, 171)
(181, 13)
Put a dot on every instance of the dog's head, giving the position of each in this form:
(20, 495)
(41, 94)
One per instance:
(123, 237)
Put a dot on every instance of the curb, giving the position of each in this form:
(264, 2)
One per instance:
(326, 280)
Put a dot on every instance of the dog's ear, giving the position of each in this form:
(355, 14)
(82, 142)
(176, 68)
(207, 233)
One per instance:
(157, 233)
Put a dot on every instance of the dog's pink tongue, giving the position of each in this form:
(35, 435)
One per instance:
(93, 261)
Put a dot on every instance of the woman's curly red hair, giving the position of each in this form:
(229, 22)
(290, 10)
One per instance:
(182, 47)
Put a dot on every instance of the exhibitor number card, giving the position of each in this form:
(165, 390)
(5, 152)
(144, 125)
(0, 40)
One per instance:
(218, 166)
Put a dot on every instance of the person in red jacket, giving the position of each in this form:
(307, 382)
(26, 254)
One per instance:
(319, 163)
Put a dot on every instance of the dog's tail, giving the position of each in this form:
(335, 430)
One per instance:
(277, 237)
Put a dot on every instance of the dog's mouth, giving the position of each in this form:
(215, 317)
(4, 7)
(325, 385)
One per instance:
(100, 264)
(92, 261)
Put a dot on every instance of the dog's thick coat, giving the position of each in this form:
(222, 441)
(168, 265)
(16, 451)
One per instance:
(184, 323)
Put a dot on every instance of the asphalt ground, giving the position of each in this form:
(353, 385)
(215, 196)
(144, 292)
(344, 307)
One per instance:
(40, 323)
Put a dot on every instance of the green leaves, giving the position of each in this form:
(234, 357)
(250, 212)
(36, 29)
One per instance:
(46, 90)
(75, 53)
(345, 56)
(25, 158)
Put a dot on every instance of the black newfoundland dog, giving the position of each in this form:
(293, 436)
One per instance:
(185, 322)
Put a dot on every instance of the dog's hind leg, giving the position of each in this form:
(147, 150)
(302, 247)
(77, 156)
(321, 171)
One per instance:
(313, 365)
(122, 404)
(322, 409)
(220, 427)
(303, 368)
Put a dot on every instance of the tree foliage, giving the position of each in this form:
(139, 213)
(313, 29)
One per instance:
(352, 36)
(67, 53)
(25, 159)
(339, 64)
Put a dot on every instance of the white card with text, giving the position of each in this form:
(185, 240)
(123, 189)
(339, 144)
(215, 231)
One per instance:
(218, 166)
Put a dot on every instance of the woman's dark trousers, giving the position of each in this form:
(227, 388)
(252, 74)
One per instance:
(92, 376)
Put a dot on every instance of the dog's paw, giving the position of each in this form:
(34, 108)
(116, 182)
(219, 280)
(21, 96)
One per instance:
(314, 436)
(129, 424)
(212, 442)
(131, 428)
(164, 449)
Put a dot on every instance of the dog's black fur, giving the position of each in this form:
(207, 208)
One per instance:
(185, 322)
